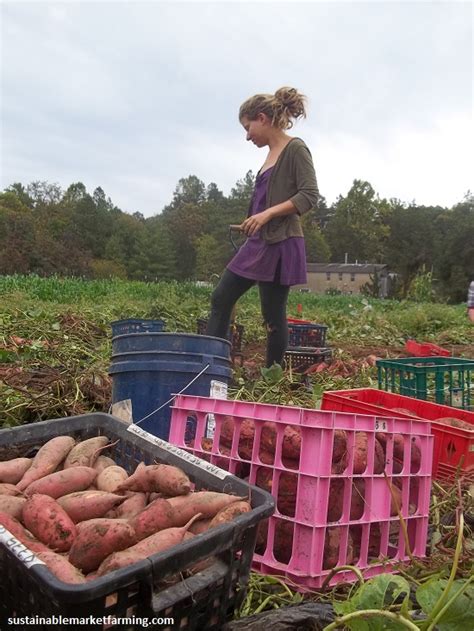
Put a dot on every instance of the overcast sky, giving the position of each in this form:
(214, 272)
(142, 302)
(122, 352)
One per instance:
(133, 96)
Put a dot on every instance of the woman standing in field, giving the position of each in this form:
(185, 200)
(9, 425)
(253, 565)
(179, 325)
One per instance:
(470, 301)
(273, 255)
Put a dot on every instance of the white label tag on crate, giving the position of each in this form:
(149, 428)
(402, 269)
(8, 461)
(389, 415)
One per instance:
(123, 410)
(218, 390)
(19, 550)
(202, 464)
(210, 426)
(380, 425)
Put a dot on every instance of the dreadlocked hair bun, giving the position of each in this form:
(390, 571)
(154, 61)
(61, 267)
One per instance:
(289, 105)
(282, 108)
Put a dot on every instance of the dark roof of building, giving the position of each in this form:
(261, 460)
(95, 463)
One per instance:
(352, 268)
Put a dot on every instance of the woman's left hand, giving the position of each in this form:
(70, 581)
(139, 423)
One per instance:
(253, 224)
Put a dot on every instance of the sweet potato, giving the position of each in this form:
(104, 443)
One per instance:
(245, 448)
(230, 512)
(286, 493)
(398, 446)
(415, 456)
(332, 548)
(403, 411)
(131, 506)
(103, 462)
(20, 533)
(111, 478)
(241, 469)
(244, 439)
(374, 540)
(283, 541)
(379, 458)
(63, 482)
(335, 500)
(13, 506)
(453, 422)
(201, 525)
(158, 515)
(47, 460)
(61, 567)
(97, 539)
(361, 456)
(9, 489)
(161, 478)
(291, 443)
(49, 522)
(206, 503)
(268, 436)
(395, 500)
(285, 489)
(399, 451)
(151, 496)
(84, 505)
(340, 445)
(339, 466)
(91, 577)
(291, 447)
(262, 536)
(11, 471)
(264, 478)
(360, 452)
(267, 457)
(85, 453)
(157, 542)
(246, 433)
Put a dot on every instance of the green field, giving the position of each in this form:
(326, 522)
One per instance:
(55, 349)
(55, 340)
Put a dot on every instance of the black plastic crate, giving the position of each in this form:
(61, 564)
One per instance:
(235, 334)
(306, 335)
(203, 601)
(133, 325)
(300, 359)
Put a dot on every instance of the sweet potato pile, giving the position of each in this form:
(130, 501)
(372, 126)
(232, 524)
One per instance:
(84, 516)
(269, 456)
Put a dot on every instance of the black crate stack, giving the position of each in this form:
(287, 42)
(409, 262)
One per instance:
(306, 345)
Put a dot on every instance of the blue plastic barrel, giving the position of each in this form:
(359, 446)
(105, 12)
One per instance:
(149, 368)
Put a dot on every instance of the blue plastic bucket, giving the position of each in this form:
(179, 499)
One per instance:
(149, 368)
(134, 325)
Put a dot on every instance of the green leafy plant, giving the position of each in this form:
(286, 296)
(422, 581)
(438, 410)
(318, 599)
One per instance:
(384, 602)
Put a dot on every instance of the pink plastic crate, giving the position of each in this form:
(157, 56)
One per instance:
(328, 513)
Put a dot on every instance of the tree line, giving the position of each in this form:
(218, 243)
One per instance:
(47, 230)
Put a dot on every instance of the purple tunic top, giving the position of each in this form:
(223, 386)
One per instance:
(259, 260)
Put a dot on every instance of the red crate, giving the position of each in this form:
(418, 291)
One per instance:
(425, 349)
(327, 513)
(298, 321)
(451, 444)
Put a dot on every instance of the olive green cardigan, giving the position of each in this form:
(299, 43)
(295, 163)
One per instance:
(293, 178)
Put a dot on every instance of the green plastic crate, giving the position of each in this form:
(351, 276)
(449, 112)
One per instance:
(444, 380)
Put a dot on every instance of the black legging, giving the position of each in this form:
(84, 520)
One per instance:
(273, 299)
